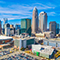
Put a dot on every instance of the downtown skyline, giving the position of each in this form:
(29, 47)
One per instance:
(15, 10)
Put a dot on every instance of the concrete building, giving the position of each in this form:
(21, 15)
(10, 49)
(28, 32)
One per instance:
(17, 26)
(11, 26)
(7, 29)
(43, 21)
(35, 21)
(42, 50)
(23, 42)
(26, 26)
(5, 21)
(40, 35)
(49, 34)
(55, 42)
(12, 30)
(0, 28)
(53, 26)
(17, 29)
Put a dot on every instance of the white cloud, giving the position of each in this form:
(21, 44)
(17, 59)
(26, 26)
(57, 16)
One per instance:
(51, 13)
(42, 6)
(22, 11)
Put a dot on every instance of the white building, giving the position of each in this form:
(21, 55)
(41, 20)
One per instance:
(43, 21)
(44, 51)
(7, 29)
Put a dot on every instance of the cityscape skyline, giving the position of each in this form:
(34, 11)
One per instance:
(14, 14)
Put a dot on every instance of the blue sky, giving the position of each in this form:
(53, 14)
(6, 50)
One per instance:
(14, 10)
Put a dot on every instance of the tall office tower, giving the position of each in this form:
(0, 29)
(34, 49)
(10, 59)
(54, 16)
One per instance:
(43, 21)
(11, 30)
(5, 20)
(17, 26)
(35, 21)
(57, 28)
(17, 29)
(7, 29)
(11, 26)
(26, 26)
(0, 28)
(52, 27)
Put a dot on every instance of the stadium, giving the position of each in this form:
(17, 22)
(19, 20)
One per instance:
(5, 41)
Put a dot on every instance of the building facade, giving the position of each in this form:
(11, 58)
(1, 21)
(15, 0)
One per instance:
(7, 29)
(24, 42)
(53, 26)
(17, 26)
(26, 26)
(5, 21)
(35, 21)
(12, 30)
(43, 21)
(57, 28)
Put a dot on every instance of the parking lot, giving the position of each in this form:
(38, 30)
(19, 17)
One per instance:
(20, 56)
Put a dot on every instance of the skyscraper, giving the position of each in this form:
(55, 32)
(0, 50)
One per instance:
(7, 29)
(5, 20)
(53, 26)
(17, 26)
(35, 21)
(43, 21)
(17, 29)
(57, 28)
(26, 26)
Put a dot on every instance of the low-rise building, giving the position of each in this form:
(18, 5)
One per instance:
(49, 34)
(55, 42)
(23, 42)
(42, 50)
(40, 35)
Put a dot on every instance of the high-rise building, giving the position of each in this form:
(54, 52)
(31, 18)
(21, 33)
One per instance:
(43, 21)
(11, 26)
(12, 30)
(52, 26)
(5, 20)
(26, 26)
(17, 26)
(35, 21)
(0, 28)
(17, 29)
(57, 28)
(7, 29)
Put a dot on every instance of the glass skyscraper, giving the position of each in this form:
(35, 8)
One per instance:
(26, 26)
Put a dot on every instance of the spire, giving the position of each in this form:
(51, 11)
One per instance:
(35, 8)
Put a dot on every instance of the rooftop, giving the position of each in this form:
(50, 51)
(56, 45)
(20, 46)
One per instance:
(45, 50)
(18, 38)
(5, 37)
